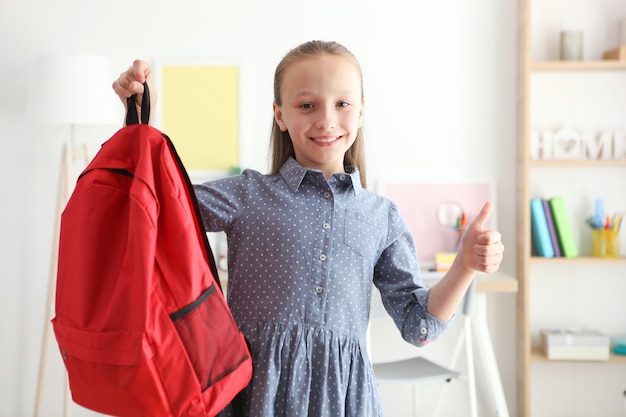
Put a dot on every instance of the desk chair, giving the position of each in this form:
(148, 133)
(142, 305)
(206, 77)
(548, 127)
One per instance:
(418, 370)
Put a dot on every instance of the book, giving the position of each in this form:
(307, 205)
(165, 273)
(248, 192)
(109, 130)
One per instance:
(619, 345)
(444, 260)
(540, 235)
(553, 237)
(619, 350)
(563, 227)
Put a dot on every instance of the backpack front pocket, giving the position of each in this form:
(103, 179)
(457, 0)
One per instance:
(205, 328)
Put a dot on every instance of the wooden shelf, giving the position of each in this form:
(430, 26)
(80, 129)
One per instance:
(577, 163)
(538, 356)
(606, 65)
(577, 260)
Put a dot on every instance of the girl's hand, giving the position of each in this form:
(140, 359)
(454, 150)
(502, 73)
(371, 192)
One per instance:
(481, 250)
(131, 82)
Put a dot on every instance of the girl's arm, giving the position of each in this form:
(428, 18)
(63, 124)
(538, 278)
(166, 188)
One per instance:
(480, 251)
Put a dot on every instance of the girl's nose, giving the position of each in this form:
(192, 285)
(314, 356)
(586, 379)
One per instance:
(326, 119)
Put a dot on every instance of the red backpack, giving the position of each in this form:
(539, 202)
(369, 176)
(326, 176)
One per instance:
(141, 321)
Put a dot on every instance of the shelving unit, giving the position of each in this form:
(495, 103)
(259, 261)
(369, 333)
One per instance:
(561, 291)
(537, 355)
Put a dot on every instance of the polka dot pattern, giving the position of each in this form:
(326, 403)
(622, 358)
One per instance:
(303, 253)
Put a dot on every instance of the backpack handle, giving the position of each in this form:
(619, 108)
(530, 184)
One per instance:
(132, 118)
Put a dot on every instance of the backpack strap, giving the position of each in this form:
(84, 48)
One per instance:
(132, 118)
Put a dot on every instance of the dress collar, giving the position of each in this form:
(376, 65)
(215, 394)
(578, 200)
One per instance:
(293, 173)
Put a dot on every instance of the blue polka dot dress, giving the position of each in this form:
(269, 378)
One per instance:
(303, 252)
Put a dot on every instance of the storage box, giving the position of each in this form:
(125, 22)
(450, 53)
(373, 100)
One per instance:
(575, 344)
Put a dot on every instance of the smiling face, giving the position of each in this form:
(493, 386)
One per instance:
(321, 108)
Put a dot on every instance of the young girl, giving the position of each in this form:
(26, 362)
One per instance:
(306, 242)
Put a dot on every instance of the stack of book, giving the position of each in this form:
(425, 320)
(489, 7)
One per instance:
(444, 260)
(551, 230)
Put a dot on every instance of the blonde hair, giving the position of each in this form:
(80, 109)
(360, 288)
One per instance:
(280, 142)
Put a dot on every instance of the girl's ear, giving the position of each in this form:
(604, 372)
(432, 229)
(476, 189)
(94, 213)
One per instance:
(361, 114)
(278, 116)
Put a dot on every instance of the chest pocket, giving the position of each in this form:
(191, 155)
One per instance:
(362, 233)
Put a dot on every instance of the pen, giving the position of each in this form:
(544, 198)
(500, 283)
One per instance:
(617, 223)
(461, 221)
(599, 212)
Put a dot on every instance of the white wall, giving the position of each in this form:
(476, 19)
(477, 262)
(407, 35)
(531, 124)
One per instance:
(440, 83)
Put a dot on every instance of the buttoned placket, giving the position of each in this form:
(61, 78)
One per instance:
(321, 267)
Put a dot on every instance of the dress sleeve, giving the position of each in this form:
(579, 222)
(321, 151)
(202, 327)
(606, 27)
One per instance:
(221, 201)
(397, 277)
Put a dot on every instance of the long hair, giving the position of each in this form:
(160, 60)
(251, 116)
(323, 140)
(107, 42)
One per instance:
(280, 142)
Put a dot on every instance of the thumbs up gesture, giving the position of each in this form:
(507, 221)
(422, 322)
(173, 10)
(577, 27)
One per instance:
(481, 250)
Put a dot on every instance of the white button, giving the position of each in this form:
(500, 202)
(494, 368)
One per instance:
(423, 330)
(326, 194)
(342, 177)
(326, 225)
(323, 257)
(319, 290)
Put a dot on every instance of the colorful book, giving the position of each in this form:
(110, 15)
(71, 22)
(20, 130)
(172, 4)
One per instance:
(619, 350)
(540, 235)
(553, 236)
(563, 227)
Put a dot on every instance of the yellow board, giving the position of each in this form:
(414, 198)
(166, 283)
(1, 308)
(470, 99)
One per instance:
(200, 113)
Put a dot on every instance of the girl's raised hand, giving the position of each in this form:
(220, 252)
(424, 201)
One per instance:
(481, 250)
(131, 82)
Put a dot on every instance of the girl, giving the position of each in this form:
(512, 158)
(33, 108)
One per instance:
(306, 242)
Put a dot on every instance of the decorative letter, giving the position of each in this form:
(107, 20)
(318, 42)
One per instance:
(567, 144)
(597, 147)
(541, 145)
(619, 146)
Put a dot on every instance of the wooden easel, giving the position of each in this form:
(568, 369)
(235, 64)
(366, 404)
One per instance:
(70, 155)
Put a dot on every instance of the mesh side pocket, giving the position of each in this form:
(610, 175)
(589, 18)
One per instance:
(211, 337)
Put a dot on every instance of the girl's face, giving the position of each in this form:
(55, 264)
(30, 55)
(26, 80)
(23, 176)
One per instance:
(322, 109)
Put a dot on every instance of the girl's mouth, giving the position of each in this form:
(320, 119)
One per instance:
(326, 139)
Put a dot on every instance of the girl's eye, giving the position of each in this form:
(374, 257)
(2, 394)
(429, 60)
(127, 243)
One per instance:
(306, 106)
(343, 104)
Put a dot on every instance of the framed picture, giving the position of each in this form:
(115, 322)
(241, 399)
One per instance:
(434, 212)
(198, 108)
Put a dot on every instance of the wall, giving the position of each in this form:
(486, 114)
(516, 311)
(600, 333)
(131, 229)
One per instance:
(440, 106)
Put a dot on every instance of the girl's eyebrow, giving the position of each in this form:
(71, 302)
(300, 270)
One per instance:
(307, 93)
(303, 94)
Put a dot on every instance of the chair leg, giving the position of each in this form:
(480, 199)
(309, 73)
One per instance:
(471, 374)
(455, 358)
(466, 339)
(416, 401)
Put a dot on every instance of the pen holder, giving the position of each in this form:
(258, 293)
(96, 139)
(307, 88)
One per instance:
(605, 243)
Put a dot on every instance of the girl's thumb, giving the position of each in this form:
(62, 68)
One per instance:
(483, 215)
